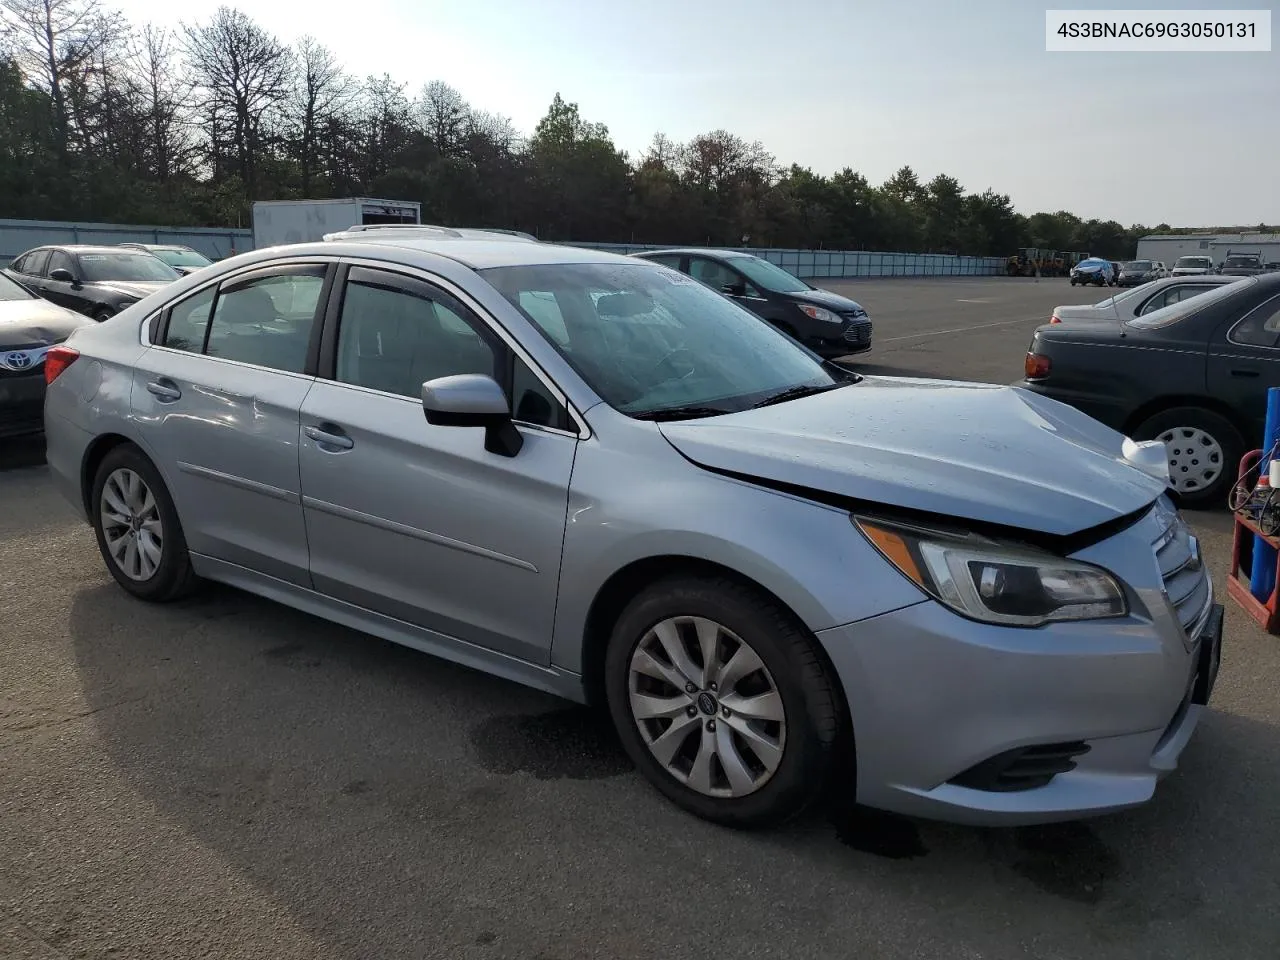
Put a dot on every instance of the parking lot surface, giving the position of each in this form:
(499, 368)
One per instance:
(226, 778)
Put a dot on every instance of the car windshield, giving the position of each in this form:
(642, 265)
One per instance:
(1184, 308)
(1138, 266)
(769, 275)
(1241, 262)
(13, 291)
(654, 343)
(1193, 262)
(182, 258)
(136, 267)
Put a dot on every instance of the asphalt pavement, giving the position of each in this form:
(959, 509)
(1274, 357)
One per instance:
(227, 778)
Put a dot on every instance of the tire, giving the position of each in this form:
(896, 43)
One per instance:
(790, 678)
(103, 313)
(1191, 425)
(171, 577)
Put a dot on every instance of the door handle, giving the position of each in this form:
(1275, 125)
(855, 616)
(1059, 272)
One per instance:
(329, 436)
(164, 390)
(1244, 373)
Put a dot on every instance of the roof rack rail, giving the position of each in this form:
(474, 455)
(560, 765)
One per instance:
(364, 227)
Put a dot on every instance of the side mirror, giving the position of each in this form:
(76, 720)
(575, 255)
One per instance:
(62, 275)
(473, 400)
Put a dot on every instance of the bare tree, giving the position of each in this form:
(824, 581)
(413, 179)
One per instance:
(58, 44)
(243, 74)
(162, 99)
(322, 93)
(443, 115)
(384, 124)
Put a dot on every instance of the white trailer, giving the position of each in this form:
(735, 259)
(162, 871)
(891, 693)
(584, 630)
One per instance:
(277, 222)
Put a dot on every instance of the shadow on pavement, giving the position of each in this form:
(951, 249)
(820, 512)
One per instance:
(389, 800)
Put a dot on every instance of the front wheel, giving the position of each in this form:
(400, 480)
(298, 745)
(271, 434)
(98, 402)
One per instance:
(722, 701)
(1204, 450)
(137, 527)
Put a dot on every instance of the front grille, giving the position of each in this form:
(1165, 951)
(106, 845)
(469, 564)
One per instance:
(1186, 581)
(857, 333)
(1024, 768)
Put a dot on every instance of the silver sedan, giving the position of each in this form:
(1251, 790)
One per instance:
(595, 476)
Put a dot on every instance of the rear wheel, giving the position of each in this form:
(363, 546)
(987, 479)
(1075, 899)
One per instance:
(1204, 450)
(137, 527)
(722, 701)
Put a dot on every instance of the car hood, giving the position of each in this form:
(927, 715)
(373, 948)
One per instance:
(130, 288)
(824, 298)
(981, 452)
(27, 322)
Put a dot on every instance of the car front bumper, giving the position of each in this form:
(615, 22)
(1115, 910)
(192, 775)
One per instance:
(854, 336)
(934, 696)
(21, 403)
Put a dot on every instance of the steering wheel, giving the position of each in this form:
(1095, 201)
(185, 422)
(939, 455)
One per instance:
(667, 357)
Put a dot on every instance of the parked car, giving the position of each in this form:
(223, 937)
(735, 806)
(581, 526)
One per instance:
(1242, 265)
(96, 281)
(1193, 375)
(1138, 301)
(1192, 266)
(1137, 272)
(828, 324)
(29, 327)
(593, 475)
(1094, 270)
(182, 258)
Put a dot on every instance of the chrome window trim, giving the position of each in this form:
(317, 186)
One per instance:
(1235, 326)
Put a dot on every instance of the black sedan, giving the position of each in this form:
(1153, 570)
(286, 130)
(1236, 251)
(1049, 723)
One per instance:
(828, 324)
(1193, 374)
(29, 326)
(96, 281)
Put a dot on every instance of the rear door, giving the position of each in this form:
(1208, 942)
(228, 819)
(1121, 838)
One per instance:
(420, 522)
(1244, 362)
(33, 265)
(216, 401)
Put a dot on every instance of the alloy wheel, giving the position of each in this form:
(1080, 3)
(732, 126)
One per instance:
(1195, 458)
(707, 707)
(131, 524)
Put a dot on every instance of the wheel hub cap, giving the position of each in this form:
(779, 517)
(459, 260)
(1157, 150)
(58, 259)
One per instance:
(706, 707)
(1195, 458)
(131, 525)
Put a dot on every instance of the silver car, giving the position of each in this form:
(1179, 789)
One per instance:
(1140, 301)
(595, 476)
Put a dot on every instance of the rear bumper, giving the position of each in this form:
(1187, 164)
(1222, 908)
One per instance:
(22, 405)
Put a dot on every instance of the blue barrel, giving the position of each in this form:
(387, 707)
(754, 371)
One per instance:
(1262, 578)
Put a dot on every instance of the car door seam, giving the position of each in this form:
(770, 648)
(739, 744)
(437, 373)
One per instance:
(255, 486)
(417, 533)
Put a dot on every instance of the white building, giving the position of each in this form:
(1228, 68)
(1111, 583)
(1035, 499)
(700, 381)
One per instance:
(1169, 247)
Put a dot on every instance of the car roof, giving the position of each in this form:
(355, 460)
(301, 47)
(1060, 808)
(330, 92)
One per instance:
(479, 250)
(83, 248)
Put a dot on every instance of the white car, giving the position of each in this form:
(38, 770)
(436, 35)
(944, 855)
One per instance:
(1137, 301)
(1192, 266)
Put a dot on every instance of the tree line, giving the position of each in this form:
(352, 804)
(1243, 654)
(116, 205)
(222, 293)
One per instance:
(102, 120)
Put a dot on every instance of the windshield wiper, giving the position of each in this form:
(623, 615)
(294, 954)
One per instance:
(795, 393)
(681, 413)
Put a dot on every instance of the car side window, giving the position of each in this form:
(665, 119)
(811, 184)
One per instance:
(58, 260)
(396, 334)
(667, 261)
(188, 321)
(1261, 328)
(16, 265)
(719, 277)
(267, 319)
(1155, 303)
(33, 263)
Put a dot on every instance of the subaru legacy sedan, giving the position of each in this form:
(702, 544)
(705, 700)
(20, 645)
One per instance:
(596, 476)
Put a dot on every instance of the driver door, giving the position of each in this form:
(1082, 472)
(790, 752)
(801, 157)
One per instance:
(720, 276)
(417, 521)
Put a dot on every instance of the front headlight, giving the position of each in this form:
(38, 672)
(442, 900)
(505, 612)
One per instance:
(985, 580)
(818, 313)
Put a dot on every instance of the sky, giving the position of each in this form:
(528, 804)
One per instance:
(962, 87)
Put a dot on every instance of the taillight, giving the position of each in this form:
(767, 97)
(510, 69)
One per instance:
(57, 360)
(1036, 366)
(1055, 319)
